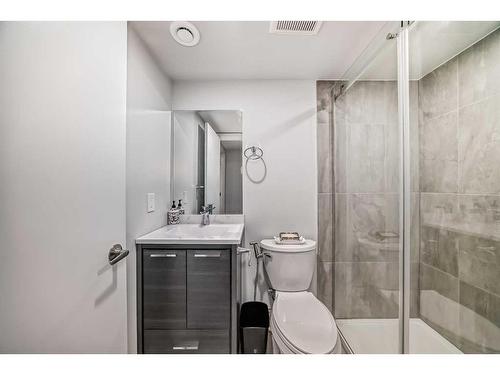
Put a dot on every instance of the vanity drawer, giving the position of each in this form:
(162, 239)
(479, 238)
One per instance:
(186, 342)
(208, 289)
(164, 289)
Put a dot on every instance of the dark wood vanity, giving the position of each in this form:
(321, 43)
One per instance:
(187, 298)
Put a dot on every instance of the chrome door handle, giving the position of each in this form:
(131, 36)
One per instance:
(116, 253)
(207, 255)
(160, 255)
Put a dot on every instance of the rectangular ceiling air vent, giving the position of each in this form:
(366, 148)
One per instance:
(295, 27)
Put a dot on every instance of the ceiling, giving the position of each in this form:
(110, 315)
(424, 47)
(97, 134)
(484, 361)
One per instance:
(246, 50)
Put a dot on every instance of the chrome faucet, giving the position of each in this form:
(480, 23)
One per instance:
(206, 211)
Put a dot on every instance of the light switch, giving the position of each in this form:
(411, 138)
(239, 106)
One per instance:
(151, 202)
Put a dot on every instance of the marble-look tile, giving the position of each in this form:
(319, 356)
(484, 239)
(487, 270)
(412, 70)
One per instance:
(325, 227)
(414, 289)
(392, 134)
(324, 98)
(438, 91)
(369, 218)
(485, 304)
(438, 208)
(392, 157)
(325, 161)
(414, 137)
(439, 248)
(342, 252)
(438, 176)
(479, 320)
(366, 155)
(479, 70)
(479, 262)
(476, 209)
(440, 312)
(366, 290)
(415, 228)
(441, 282)
(438, 138)
(325, 284)
(372, 102)
(479, 146)
(340, 140)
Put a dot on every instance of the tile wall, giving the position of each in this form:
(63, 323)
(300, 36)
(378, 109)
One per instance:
(459, 121)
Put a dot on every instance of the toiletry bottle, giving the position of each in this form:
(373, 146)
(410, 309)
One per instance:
(180, 208)
(173, 215)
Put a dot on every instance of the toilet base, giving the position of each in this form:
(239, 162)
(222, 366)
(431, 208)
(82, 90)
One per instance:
(279, 347)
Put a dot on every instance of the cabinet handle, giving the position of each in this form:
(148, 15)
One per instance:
(188, 346)
(163, 255)
(207, 255)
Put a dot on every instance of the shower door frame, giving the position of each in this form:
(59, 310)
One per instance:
(404, 187)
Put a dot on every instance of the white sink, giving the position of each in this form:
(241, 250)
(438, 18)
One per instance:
(194, 234)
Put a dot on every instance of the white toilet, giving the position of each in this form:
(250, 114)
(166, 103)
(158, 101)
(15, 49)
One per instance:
(300, 323)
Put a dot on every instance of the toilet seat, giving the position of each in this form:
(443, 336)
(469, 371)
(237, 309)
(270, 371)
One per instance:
(303, 324)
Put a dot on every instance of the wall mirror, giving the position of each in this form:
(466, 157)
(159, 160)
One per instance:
(207, 161)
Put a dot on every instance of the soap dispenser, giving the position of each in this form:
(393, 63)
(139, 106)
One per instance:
(180, 208)
(173, 215)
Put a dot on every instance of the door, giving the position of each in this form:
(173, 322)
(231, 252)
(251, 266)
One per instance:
(164, 289)
(212, 167)
(208, 289)
(62, 191)
(222, 195)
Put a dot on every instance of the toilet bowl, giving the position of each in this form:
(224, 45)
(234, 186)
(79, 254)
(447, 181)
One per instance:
(300, 323)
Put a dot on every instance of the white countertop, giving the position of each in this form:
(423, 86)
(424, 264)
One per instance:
(190, 234)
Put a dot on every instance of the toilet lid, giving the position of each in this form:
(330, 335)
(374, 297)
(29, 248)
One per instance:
(305, 322)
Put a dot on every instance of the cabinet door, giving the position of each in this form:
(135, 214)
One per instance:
(164, 289)
(208, 289)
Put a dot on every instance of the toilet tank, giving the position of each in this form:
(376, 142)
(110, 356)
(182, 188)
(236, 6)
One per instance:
(289, 268)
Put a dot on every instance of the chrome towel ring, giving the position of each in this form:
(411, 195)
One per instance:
(253, 153)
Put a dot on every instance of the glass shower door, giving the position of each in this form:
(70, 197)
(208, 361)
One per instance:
(367, 293)
(416, 135)
(454, 99)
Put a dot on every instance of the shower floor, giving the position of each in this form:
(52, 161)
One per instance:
(380, 336)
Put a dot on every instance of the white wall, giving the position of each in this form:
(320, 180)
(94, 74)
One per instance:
(62, 186)
(280, 116)
(148, 156)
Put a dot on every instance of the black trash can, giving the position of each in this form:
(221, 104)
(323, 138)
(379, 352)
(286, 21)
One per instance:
(254, 324)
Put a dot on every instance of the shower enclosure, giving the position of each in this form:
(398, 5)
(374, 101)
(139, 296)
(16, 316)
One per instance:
(409, 191)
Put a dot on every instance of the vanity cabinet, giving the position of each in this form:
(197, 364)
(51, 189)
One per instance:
(186, 299)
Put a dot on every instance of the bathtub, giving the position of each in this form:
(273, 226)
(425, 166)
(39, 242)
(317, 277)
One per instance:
(367, 336)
